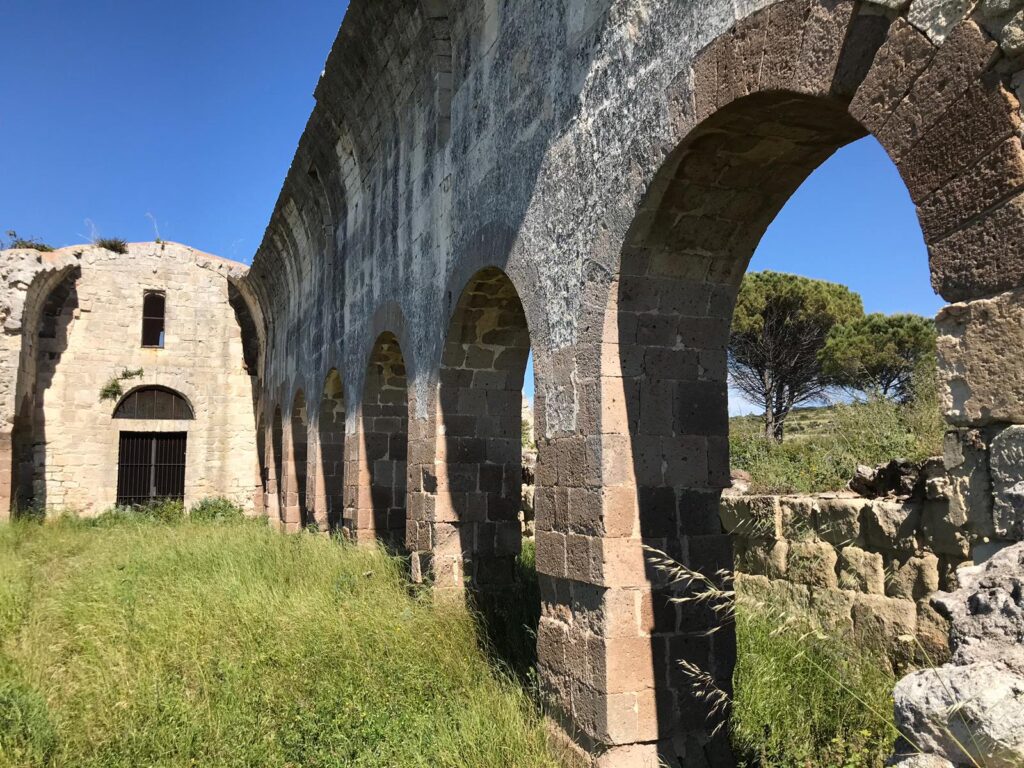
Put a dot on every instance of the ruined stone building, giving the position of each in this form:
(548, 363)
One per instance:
(159, 328)
(586, 179)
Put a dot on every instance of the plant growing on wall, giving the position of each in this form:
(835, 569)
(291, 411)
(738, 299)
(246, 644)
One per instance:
(17, 242)
(112, 390)
(115, 244)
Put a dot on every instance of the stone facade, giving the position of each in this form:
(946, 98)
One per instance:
(80, 325)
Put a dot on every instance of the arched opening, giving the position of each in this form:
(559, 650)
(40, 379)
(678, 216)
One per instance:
(329, 498)
(159, 403)
(295, 511)
(480, 481)
(681, 269)
(380, 511)
(151, 463)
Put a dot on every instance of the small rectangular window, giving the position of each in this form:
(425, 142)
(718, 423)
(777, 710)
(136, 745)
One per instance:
(153, 305)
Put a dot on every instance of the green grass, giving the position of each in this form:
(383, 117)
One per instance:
(807, 699)
(825, 445)
(135, 641)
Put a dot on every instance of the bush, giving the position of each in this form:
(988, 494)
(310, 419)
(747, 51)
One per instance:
(807, 698)
(216, 510)
(115, 244)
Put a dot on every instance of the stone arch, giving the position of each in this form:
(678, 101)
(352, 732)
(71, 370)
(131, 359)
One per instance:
(376, 504)
(329, 496)
(764, 106)
(479, 473)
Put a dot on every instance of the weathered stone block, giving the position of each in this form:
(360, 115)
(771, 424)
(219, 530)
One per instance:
(861, 571)
(913, 578)
(838, 521)
(762, 558)
(968, 483)
(1007, 465)
(833, 609)
(982, 383)
(880, 621)
(812, 563)
(936, 18)
(892, 525)
(753, 517)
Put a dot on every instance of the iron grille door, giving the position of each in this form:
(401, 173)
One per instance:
(150, 467)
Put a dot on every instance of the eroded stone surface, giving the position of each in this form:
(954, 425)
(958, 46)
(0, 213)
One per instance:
(972, 709)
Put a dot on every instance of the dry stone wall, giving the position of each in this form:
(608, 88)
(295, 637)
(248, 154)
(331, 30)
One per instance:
(863, 567)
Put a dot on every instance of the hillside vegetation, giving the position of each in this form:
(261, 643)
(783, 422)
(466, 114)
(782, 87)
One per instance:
(147, 643)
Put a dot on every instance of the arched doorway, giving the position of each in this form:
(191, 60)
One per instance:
(151, 462)
(754, 130)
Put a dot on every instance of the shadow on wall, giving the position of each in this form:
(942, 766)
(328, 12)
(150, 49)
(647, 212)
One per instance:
(329, 504)
(481, 397)
(29, 437)
(384, 428)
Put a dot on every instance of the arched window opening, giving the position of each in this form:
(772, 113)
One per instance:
(158, 403)
(154, 305)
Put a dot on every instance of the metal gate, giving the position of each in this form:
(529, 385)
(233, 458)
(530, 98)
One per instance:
(151, 467)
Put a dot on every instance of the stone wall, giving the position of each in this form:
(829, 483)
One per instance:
(864, 567)
(80, 326)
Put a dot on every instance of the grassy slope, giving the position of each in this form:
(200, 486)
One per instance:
(823, 446)
(141, 644)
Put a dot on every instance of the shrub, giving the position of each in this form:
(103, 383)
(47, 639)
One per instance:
(26, 243)
(216, 509)
(115, 244)
(161, 511)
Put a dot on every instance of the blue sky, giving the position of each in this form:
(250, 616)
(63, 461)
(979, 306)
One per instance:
(190, 112)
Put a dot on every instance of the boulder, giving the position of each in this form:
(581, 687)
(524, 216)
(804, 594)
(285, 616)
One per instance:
(971, 710)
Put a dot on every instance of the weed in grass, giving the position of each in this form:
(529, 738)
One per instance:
(216, 510)
(145, 643)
